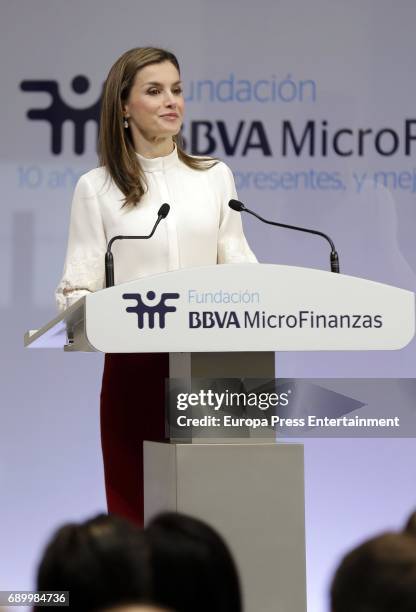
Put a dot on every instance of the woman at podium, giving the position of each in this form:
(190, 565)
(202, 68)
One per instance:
(143, 165)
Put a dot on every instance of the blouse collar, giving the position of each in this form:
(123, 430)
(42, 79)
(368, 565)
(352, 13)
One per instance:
(159, 164)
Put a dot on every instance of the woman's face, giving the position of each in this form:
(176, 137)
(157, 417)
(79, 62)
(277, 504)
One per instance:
(155, 105)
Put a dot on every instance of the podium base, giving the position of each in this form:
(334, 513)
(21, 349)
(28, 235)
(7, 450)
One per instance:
(253, 494)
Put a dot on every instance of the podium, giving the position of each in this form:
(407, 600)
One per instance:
(227, 322)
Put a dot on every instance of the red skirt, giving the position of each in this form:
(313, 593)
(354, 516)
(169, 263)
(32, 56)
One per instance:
(132, 410)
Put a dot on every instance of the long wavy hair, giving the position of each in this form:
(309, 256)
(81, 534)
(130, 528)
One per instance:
(115, 143)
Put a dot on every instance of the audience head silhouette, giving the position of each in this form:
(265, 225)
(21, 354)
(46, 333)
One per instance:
(191, 565)
(101, 562)
(379, 575)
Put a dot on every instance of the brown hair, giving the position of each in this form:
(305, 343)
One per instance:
(116, 149)
(102, 562)
(410, 526)
(379, 575)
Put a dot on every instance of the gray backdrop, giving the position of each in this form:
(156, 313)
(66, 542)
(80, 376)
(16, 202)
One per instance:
(274, 70)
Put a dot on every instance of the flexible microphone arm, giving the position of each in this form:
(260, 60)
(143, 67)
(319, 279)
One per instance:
(334, 259)
(109, 260)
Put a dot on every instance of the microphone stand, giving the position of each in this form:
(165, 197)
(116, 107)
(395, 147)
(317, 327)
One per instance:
(334, 259)
(109, 260)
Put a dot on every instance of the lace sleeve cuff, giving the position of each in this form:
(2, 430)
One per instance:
(81, 276)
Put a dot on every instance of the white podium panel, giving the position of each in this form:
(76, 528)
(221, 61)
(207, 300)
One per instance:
(237, 307)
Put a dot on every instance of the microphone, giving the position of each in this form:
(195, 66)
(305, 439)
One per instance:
(334, 259)
(163, 211)
(109, 260)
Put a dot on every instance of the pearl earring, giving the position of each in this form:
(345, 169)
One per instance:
(125, 124)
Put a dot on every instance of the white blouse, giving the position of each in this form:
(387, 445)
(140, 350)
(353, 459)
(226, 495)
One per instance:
(199, 230)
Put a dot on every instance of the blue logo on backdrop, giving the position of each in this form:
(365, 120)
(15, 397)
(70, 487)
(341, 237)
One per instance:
(151, 311)
(59, 111)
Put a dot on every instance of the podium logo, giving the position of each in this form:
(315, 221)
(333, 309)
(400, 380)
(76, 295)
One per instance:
(153, 312)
